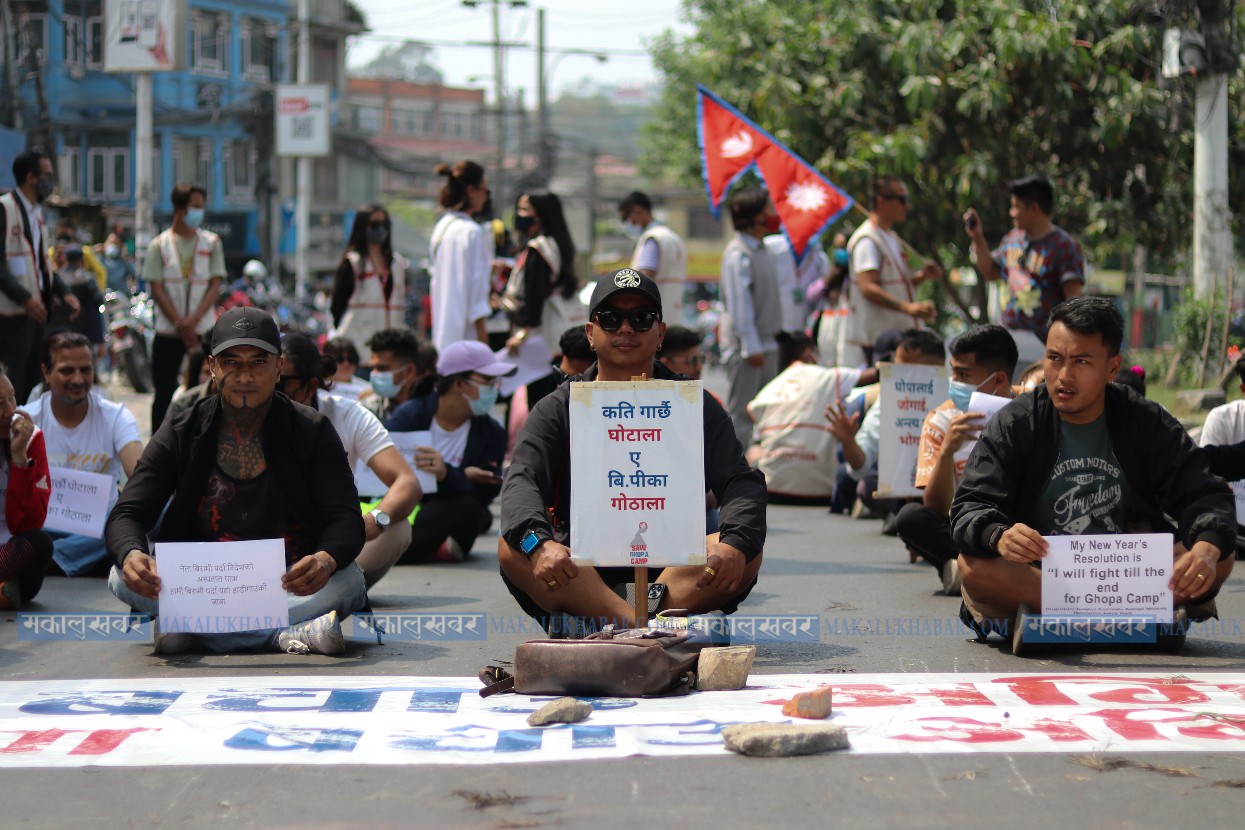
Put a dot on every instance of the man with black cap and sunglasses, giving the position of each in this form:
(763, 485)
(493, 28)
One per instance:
(244, 464)
(625, 330)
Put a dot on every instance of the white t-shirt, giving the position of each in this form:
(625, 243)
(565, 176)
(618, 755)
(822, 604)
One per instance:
(865, 256)
(361, 432)
(93, 446)
(1224, 425)
(452, 444)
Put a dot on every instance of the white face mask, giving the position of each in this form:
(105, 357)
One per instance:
(632, 229)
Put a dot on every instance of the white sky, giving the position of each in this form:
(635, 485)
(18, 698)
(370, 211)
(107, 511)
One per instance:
(624, 27)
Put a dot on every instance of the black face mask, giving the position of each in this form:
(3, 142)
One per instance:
(524, 224)
(377, 234)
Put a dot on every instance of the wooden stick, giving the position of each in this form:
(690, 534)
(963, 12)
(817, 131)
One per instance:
(641, 571)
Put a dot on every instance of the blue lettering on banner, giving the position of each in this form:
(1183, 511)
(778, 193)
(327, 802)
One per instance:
(522, 707)
(102, 703)
(519, 740)
(592, 737)
(465, 738)
(275, 739)
(693, 733)
(436, 700)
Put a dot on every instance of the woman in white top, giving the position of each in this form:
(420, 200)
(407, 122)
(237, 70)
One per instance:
(369, 293)
(461, 254)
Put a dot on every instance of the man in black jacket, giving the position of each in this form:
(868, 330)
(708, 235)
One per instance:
(625, 330)
(1082, 455)
(245, 464)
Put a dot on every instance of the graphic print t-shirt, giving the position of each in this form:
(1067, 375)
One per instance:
(1087, 492)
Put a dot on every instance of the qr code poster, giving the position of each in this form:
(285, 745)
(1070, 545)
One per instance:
(302, 120)
(637, 473)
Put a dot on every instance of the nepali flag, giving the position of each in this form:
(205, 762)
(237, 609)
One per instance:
(731, 144)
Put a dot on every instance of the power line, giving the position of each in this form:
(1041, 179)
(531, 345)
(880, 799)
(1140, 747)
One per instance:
(466, 44)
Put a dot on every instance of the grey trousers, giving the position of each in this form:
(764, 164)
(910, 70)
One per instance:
(746, 381)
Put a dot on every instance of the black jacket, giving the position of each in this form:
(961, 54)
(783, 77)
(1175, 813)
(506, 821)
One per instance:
(536, 494)
(1167, 473)
(486, 447)
(314, 482)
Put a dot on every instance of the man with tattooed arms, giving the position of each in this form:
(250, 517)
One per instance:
(246, 463)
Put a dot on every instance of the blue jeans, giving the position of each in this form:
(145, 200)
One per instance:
(344, 593)
(77, 555)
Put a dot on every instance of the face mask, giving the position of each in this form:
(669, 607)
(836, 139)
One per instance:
(523, 224)
(483, 405)
(840, 256)
(111, 251)
(377, 235)
(44, 188)
(383, 384)
(632, 230)
(961, 393)
(773, 224)
(194, 217)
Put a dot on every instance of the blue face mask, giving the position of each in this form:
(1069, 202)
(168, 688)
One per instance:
(961, 393)
(383, 384)
(483, 405)
(840, 256)
(632, 230)
(194, 217)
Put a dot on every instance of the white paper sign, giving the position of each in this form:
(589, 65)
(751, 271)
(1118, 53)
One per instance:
(637, 473)
(220, 587)
(79, 502)
(302, 127)
(369, 485)
(1238, 490)
(144, 35)
(1119, 575)
(908, 392)
(533, 362)
(349, 391)
(987, 405)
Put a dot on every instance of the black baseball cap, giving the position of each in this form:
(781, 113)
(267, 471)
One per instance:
(246, 326)
(623, 281)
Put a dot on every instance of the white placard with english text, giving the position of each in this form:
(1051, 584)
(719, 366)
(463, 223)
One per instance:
(1124, 575)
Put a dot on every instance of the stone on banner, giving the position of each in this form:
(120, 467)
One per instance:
(724, 669)
(814, 705)
(780, 740)
(562, 710)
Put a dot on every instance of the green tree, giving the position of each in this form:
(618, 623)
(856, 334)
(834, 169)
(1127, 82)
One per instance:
(958, 97)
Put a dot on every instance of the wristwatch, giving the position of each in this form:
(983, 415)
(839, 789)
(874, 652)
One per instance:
(381, 517)
(995, 536)
(532, 541)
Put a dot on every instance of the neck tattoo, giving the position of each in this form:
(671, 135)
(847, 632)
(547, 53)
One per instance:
(240, 445)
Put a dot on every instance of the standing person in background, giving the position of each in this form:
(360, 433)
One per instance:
(369, 291)
(67, 235)
(753, 308)
(794, 278)
(120, 271)
(28, 284)
(882, 291)
(540, 295)
(185, 267)
(659, 252)
(830, 306)
(461, 255)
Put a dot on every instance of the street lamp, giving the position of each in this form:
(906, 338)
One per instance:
(544, 156)
(499, 90)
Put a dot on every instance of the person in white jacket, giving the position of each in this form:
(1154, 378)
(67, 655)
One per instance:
(461, 253)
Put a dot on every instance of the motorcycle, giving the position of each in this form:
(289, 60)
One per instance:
(130, 329)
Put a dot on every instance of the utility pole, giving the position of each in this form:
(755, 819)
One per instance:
(13, 105)
(499, 92)
(1213, 254)
(544, 164)
(302, 206)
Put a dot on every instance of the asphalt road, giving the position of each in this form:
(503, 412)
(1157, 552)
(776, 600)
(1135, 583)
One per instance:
(832, 566)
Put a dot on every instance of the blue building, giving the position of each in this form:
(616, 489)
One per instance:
(213, 120)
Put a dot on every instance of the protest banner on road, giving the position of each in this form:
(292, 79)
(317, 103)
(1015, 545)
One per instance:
(369, 485)
(908, 392)
(1118, 576)
(219, 587)
(637, 473)
(79, 502)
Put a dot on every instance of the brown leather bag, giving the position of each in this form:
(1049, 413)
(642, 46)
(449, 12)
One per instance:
(640, 662)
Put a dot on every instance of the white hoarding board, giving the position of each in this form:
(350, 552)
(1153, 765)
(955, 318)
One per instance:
(302, 120)
(908, 392)
(144, 35)
(637, 473)
(1118, 576)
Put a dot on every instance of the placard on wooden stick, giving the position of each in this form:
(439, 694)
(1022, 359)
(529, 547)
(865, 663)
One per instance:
(908, 392)
(637, 474)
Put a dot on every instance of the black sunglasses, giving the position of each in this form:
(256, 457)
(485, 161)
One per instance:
(898, 197)
(640, 319)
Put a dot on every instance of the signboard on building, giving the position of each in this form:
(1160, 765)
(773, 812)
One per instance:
(144, 35)
(302, 120)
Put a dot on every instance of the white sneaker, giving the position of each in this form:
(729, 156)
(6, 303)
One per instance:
(323, 635)
(951, 578)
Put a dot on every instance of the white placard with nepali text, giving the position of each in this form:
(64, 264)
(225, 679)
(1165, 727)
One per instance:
(79, 502)
(908, 392)
(1238, 490)
(369, 484)
(637, 473)
(1123, 575)
(219, 587)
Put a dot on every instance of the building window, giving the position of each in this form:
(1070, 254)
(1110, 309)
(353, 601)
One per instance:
(209, 43)
(367, 119)
(95, 42)
(69, 173)
(32, 44)
(239, 170)
(108, 173)
(701, 224)
(259, 50)
(192, 161)
(75, 41)
(324, 61)
(324, 179)
(429, 123)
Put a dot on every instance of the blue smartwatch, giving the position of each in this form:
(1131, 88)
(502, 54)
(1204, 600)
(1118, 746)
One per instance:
(532, 541)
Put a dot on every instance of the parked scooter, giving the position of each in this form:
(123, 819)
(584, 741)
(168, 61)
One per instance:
(130, 329)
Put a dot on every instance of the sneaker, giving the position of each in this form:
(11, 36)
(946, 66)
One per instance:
(172, 642)
(10, 595)
(450, 551)
(951, 578)
(323, 635)
(711, 628)
(1202, 611)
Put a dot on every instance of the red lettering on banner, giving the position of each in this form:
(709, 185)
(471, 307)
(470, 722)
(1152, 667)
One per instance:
(866, 694)
(1040, 690)
(96, 742)
(974, 731)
